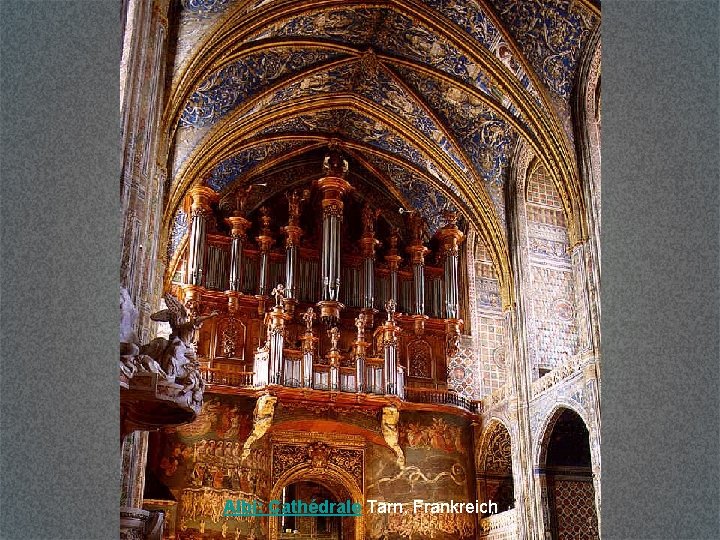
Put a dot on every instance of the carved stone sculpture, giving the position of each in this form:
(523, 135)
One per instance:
(163, 372)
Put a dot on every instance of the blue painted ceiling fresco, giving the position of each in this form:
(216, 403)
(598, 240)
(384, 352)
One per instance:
(473, 133)
(237, 82)
(205, 8)
(385, 31)
(350, 125)
(230, 169)
(429, 202)
(471, 17)
(485, 137)
(551, 35)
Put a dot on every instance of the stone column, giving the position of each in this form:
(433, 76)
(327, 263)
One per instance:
(591, 378)
(333, 186)
(527, 490)
(586, 300)
(134, 456)
(201, 196)
(142, 191)
(238, 227)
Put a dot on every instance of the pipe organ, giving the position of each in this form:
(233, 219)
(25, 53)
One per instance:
(309, 307)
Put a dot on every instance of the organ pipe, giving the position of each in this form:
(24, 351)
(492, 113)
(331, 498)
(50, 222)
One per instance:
(393, 260)
(200, 210)
(390, 331)
(333, 186)
(265, 241)
(293, 234)
(450, 238)
(417, 253)
(238, 227)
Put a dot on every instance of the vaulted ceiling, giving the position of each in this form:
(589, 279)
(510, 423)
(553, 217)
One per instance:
(430, 96)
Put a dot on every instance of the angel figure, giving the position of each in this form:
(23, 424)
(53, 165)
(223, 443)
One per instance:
(295, 199)
(390, 307)
(334, 334)
(308, 318)
(360, 322)
(279, 293)
(369, 215)
(241, 197)
(176, 355)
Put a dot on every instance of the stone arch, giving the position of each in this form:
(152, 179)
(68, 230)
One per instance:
(341, 484)
(495, 466)
(568, 505)
(550, 418)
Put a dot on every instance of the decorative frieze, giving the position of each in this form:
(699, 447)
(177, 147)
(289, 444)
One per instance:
(565, 370)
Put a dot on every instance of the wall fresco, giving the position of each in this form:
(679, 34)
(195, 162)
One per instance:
(551, 35)
(437, 468)
(201, 464)
(235, 83)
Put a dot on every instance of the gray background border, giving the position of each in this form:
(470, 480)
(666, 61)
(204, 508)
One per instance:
(60, 212)
(660, 387)
(59, 447)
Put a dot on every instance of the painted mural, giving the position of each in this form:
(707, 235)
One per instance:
(471, 17)
(486, 137)
(235, 83)
(201, 465)
(551, 35)
(229, 170)
(429, 202)
(367, 419)
(438, 467)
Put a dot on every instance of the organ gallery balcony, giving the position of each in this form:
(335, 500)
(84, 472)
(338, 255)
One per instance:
(346, 300)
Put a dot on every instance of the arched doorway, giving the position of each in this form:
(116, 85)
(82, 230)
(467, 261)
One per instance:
(329, 483)
(495, 476)
(300, 527)
(566, 474)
